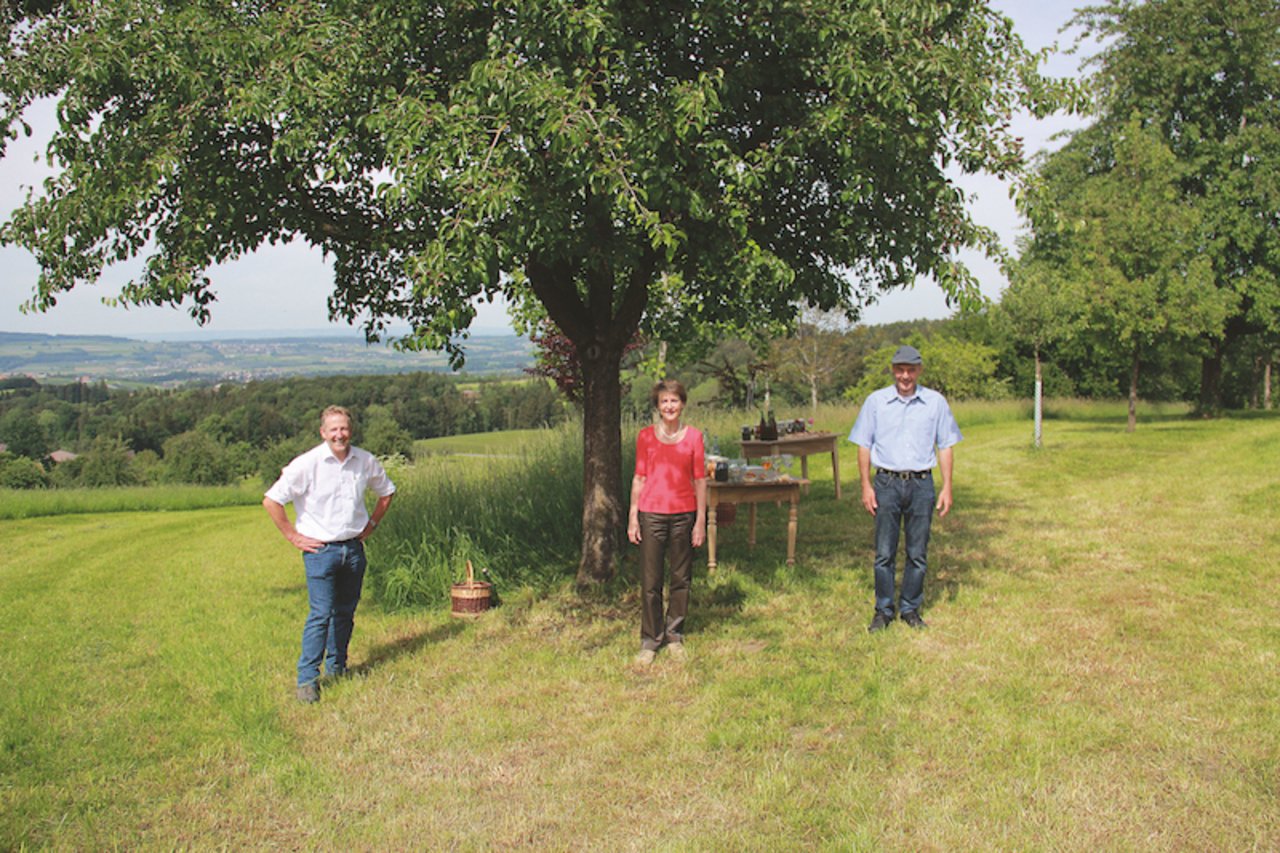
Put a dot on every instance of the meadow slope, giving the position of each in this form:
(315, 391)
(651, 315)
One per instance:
(1100, 672)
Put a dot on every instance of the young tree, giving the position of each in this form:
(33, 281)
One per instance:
(739, 369)
(679, 169)
(1039, 310)
(813, 353)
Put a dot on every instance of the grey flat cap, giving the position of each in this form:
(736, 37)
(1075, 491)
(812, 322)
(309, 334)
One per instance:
(907, 355)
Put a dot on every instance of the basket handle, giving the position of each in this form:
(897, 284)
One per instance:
(471, 575)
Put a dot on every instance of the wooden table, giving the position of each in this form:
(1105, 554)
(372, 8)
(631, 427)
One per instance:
(798, 444)
(752, 493)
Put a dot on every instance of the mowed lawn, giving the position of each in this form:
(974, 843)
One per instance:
(1101, 672)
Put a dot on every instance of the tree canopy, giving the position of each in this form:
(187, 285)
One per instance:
(1204, 75)
(1113, 231)
(675, 168)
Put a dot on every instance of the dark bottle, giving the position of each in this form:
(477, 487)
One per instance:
(769, 428)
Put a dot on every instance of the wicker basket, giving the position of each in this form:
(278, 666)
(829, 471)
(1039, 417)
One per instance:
(472, 597)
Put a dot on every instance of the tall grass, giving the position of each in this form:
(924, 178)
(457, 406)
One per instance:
(515, 514)
(35, 503)
(511, 502)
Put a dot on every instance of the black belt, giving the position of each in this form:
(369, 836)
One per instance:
(905, 475)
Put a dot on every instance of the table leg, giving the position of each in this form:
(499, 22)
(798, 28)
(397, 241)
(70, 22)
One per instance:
(751, 528)
(804, 470)
(711, 537)
(835, 469)
(792, 523)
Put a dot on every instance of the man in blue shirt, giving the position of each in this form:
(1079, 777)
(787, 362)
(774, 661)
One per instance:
(904, 430)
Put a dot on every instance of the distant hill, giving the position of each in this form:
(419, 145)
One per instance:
(125, 360)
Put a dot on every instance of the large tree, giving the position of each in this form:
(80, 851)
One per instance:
(677, 168)
(1205, 74)
(1112, 226)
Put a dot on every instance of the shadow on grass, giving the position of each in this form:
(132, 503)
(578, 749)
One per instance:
(836, 541)
(1091, 416)
(959, 546)
(387, 652)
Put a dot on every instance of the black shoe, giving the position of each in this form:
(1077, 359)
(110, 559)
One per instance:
(308, 693)
(913, 620)
(880, 622)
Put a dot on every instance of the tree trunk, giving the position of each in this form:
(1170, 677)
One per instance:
(1133, 395)
(1039, 416)
(1255, 380)
(600, 328)
(601, 465)
(1211, 382)
(815, 374)
(1266, 385)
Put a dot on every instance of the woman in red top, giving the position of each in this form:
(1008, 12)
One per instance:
(668, 515)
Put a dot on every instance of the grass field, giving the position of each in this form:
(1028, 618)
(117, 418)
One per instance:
(475, 444)
(1100, 673)
(30, 503)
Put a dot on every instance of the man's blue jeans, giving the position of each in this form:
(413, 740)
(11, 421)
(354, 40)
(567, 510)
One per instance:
(335, 575)
(907, 505)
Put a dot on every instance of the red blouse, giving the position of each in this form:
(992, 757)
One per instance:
(669, 471)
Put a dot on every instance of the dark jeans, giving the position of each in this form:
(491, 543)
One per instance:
(335, 575)
(670, 536)
(905, 505)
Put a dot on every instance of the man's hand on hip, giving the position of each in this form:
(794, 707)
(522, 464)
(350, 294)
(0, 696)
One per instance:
(305, 543)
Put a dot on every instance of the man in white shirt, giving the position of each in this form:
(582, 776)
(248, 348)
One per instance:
(326, 486)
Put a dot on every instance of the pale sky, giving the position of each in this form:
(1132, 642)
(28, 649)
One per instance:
(284, 288)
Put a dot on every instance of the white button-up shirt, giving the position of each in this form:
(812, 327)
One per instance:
(328, 493)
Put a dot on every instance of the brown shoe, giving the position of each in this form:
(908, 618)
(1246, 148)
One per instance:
(308, 693)
(676, 651)
(645, 657)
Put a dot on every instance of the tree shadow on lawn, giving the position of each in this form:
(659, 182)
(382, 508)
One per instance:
(385, 653)
(1118, 420)
(960, 545)
(1116, 428)
(836, 538)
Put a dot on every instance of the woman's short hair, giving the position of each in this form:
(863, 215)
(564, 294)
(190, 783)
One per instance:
(668, 386)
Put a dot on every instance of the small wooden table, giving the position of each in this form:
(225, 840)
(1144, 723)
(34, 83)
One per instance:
(752, 493)
(800, 444)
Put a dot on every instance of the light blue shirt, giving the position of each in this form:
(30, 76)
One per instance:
(905, 434)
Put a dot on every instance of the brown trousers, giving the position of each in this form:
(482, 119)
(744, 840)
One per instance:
(670, 536)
